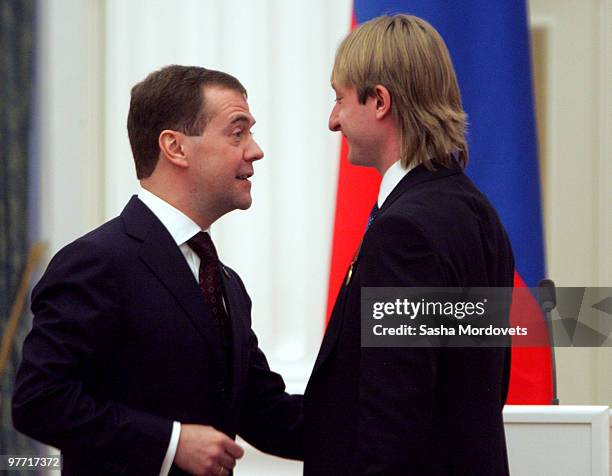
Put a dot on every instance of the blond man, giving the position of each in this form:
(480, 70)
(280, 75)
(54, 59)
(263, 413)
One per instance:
(422, 411)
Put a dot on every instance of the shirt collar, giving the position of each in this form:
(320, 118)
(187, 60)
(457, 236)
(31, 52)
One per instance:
(391, 178)
(179, 225)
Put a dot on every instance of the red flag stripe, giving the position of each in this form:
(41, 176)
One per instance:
(530, 375)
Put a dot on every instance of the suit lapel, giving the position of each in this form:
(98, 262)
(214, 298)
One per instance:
(334, 327)
(165, 260)
(235, 309)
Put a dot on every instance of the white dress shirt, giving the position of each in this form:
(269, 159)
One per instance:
(391, 178)
(181, 228)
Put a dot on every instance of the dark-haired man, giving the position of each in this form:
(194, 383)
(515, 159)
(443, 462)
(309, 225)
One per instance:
(141, 359)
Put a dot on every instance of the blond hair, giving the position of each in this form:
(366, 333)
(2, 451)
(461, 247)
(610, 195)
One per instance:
(406, 55)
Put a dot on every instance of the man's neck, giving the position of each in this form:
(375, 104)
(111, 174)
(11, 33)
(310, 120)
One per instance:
(389, 154)
(204, 220)
(386, 162)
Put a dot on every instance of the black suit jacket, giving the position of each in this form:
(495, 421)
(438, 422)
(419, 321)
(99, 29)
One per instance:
(122, 344)
(414, 411)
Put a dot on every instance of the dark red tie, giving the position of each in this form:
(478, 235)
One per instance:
(211, 286)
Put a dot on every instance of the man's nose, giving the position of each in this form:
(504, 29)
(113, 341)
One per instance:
(254, 152)
(334, 123)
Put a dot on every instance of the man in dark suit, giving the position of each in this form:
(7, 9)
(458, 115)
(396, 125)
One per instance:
(141, 359)
(409, 411)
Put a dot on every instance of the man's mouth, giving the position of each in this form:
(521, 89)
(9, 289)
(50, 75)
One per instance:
(244, 176)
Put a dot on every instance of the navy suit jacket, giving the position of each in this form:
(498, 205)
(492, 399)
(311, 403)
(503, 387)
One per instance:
(414, 411)
(122, 344)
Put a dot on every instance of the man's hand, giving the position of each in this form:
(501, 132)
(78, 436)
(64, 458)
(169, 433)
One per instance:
(204, 451)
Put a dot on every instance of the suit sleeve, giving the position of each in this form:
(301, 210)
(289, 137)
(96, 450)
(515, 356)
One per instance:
(271, 419)
(397, 385)
(77, 311)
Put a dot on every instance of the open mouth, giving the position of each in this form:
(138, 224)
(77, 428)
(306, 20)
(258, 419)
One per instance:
(245, 176)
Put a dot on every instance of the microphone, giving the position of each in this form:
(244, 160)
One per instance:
(547, 298)
(547, 294)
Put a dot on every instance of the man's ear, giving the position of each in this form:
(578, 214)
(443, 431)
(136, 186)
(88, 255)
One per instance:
(383, 101)
(172, 147)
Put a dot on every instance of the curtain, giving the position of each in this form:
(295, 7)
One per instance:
(17, 28)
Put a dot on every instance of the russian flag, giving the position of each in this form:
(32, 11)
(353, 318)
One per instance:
(489, 45)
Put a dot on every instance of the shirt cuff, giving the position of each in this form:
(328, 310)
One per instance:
(171, 452)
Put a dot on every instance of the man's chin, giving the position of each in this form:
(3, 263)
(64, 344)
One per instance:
(245, 204)
(359, 161)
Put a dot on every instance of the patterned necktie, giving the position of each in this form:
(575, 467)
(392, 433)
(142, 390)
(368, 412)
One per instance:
(371, 218)
(210, 284)
(373, 215)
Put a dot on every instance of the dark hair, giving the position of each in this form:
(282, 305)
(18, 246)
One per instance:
(170, 98)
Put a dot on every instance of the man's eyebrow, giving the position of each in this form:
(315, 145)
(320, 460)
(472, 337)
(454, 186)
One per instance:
(243, 118)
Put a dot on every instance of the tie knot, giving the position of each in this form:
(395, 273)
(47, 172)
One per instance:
(203, 246)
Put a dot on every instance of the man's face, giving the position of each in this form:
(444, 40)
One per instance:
(357, 123)
(221, 159)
